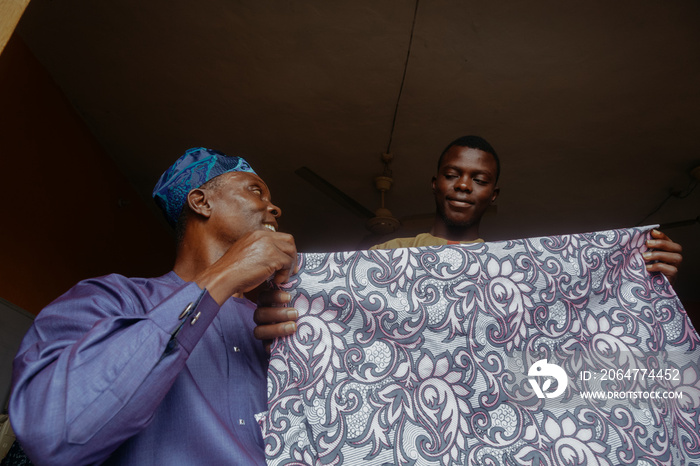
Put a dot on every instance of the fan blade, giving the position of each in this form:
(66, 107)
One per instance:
(334, 193)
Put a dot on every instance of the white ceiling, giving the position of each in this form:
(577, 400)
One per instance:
(594, 107)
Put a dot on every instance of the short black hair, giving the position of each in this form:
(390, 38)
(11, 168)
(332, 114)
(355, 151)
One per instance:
(473, 142)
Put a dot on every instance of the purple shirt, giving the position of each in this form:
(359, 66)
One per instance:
(100, 377)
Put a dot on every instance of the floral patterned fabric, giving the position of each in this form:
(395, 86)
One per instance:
(483, 354)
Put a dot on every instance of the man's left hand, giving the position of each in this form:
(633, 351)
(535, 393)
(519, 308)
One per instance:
(664, 255)
(273, 319)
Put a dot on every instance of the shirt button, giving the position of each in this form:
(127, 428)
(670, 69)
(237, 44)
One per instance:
(241, 422)
(236, 349)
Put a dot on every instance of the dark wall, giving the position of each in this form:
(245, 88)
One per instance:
(67, 212)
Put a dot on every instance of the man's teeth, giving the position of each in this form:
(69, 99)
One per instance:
(269, 227)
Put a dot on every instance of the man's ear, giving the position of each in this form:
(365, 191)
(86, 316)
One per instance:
(198, 202)
(496, 192)
(432, 183)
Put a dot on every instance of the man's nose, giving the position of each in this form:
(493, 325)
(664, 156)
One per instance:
(274, 210)
(464, 184)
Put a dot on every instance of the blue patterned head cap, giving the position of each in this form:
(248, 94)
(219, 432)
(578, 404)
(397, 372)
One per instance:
(197, 166)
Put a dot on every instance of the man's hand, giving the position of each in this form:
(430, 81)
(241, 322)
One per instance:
(249, 262)
(272, 318)
(663, 256)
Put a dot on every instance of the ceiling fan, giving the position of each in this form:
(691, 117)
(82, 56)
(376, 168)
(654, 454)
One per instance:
(381, 221)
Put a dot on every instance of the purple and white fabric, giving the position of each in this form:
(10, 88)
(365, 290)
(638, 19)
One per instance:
(541, 351)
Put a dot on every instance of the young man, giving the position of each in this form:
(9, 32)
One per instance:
(466, 183)
(164, 370)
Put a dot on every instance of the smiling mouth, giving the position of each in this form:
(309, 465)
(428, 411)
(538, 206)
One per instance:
(269, 227)
(459, 202)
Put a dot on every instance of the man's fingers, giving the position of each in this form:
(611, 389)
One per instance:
(271, 315)
(658, 234)
(664, 255)
(670, 258)
(664, 245)
(668, 270)
(272, 331)
(288, 260)
(662, 242)
(282, 276)
(273, 298)
(285, 243)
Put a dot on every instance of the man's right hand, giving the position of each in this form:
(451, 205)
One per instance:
(249, 262)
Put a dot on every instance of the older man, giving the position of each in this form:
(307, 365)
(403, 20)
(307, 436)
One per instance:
(164, 370)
